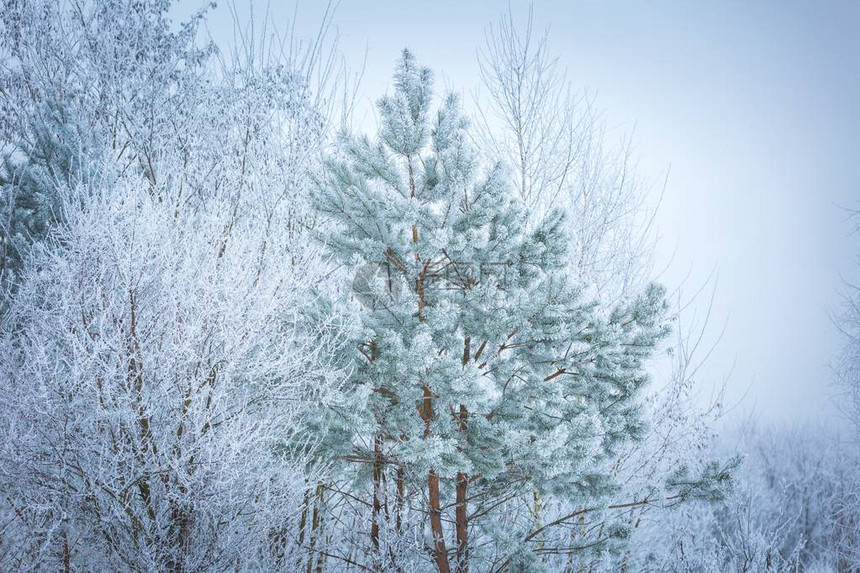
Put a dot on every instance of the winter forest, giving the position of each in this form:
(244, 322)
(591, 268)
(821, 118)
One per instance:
(244, 329)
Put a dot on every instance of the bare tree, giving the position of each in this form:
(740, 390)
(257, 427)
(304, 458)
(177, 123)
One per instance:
(555, 141)
(847, 367)
(153, 368)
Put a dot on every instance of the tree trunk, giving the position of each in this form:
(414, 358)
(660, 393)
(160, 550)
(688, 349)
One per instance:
(67, 555)
(316, 527)
(377, 492)
(439, 551)
(462, 524)
(303, 525)
(461, 505)
(536, 512)
(398, 510)
(377, 482)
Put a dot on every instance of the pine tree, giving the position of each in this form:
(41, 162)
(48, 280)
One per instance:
(32, 180)
(483, 365)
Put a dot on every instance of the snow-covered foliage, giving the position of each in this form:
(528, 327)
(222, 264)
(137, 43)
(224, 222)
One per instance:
(80, 80)
(797, 508)
(485, 367)
(154, 366)
(149, 385)
(232, 339)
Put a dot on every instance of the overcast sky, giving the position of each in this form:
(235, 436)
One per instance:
(751, 107)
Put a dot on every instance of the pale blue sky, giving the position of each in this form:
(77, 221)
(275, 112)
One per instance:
(754, 105)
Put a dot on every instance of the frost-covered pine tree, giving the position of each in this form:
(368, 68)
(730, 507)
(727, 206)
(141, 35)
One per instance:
(486, 374)
(31, 174)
